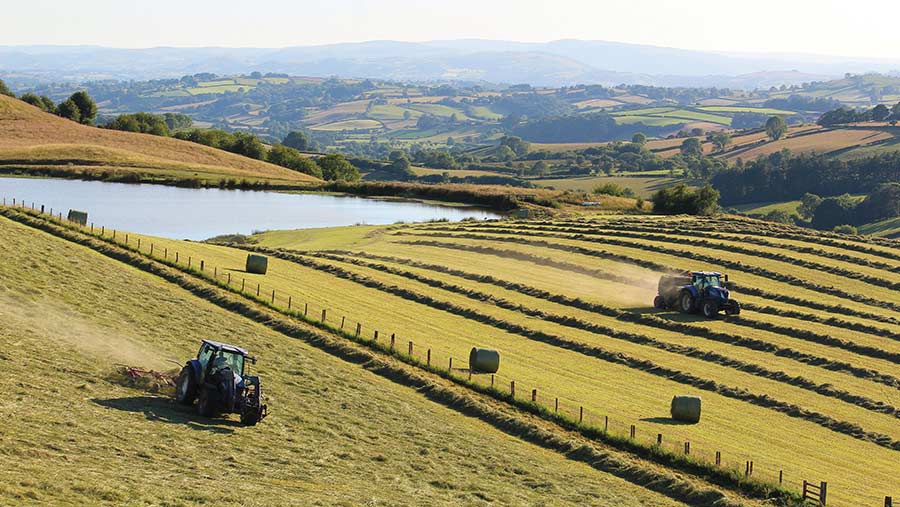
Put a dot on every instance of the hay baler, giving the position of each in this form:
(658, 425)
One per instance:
(694, 291)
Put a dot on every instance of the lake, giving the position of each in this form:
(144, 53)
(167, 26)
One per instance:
(188, 213)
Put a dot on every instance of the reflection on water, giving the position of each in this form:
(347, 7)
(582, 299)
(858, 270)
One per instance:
(187, 213)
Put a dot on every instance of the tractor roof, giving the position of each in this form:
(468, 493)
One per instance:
(706, 273)
(226, 347)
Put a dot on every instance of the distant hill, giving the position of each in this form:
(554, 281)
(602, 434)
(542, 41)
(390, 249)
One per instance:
(32, 140)
(556, 63)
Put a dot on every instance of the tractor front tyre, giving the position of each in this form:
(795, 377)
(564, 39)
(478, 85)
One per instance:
(710, 310)
(733, 308)
(186, 387)
(205, 406)
(687, 302)
(252, 416)
(659, 303)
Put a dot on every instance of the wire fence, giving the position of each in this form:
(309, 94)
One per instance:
(571, 413)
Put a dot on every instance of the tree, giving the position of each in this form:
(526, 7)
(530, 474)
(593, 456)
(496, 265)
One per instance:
(684, 199)
(720, 140)
(140, 122)
(400, 166)
(248, 145)
(297, 140)
(639, 138)
(44, 102)
(69, 109)
(834, 211)
(808, 204)
(880, 112)
(4, 90)
(845, 229)
(516, 144)
(540, 168)
(292, 159)
(691, 147)
(87, 108)
(336, 167)
(776, 128)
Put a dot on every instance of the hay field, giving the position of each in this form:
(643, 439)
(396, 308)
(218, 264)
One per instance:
(804, 382)
(32, 139)
(819, 142)
(341, 432)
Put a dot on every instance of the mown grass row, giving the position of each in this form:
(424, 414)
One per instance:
(636, 338)
(765, 401)
(735, 265)
(646, 320)
(785, 232)
(674, 229)
(347, 346)
(636, 261)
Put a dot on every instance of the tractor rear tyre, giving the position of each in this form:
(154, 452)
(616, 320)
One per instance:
(186, 387)
(687, 302)
(659, 303)
(205, 406)
(710, 310)
(733, 308)
(251, 417)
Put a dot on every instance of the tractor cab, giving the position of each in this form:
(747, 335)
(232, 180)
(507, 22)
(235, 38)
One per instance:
(234, 358)
(704, 280)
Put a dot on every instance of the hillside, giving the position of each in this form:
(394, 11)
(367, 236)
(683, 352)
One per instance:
(34, 141)
(803, 383)
(346, 427)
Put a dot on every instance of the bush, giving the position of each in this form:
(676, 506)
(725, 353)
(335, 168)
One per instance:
(845, 229)
(336, 167)
(294, 160)
(4, 90)
(140, 122)
(684, 199)
(614, 190)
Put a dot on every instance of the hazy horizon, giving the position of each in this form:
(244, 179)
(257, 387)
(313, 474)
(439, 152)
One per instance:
(821, 28)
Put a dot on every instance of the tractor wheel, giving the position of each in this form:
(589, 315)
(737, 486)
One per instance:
(659, 303)
(687, 302)
(251, 417)
(186, 387)
(710, 310)
(204, 404)
(733, 308)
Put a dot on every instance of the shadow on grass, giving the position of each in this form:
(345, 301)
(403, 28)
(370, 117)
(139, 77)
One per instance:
(672, 315)
(666, 420)
(157, 408)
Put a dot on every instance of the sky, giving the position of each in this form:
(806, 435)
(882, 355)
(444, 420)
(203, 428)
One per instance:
(865, 28)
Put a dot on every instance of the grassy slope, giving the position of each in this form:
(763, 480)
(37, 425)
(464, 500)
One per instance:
(642, 187)
(338, 434)
(32, 138)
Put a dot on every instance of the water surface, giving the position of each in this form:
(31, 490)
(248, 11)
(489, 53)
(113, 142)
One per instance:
(188, 213)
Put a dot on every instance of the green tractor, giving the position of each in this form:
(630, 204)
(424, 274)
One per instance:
(217, 379)
(696, 291)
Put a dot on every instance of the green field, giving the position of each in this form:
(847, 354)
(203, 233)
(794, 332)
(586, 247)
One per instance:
(350, 125)
(641, 186)
(696, 116)
(740, 109)
(484, 113)
(438, 110)
(390, 112)
(763, 208)
(889, 228)
(650, 121)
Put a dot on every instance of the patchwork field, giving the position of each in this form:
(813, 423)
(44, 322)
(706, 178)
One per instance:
(803, 383)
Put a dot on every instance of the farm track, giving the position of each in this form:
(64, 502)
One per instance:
(853, 259)
(736, 265)
(765, 401)
(729, 225)
(636, 338)
(659, 268)
(671, 485)
(636, 318)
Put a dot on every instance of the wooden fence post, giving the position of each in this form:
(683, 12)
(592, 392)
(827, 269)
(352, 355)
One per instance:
(492, 380)
(190, 259)
(888, 502)
(556, 405)
(633, 431)
(273, 296)
(290, 302)
(215, 268)
(102, 230)
(605, 423)
(139, 246)
(580, 414)
(823, 492)
(410, 350)
(718, 458)
(428, 356)
(512, 388)
(126, 238)
(780, 477)
(229, 278)
(151, 249)
(305, 309)
(176, 253)
(342, 323)
(534, 395)
(358, 329)
(450, 368)
(202, 262)
(257, 289)
(323, 315)
(243, 283)
(659, 439)
(687, 447)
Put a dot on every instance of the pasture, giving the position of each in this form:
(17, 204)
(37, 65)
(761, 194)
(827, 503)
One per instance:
(803, 384)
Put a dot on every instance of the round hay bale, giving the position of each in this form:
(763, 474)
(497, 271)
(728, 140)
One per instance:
(484, 360)
(257, 264)
(79, 217)
(686, 408)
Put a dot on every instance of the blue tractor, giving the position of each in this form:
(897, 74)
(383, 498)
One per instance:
(217, 379)
(696, 291)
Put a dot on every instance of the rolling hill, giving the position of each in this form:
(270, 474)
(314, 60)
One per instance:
(34, 141)
(802, 384)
